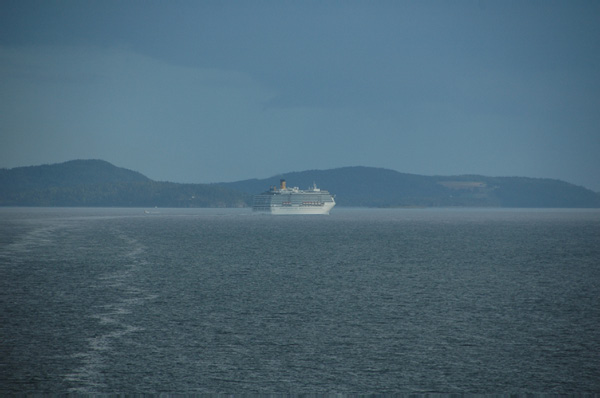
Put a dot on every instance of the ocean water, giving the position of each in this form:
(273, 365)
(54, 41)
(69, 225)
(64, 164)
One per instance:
(361, 301)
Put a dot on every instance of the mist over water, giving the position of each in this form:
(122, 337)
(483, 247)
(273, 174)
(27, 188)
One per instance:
(361, 301)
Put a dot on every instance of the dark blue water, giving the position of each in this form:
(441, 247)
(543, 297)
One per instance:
(362, 301)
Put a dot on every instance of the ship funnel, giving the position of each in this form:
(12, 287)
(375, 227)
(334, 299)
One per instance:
(282, 184)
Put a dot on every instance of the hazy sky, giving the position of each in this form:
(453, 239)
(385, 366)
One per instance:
(207, 91)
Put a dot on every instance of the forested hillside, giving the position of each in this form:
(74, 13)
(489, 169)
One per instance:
(376, 187)
(99, 183)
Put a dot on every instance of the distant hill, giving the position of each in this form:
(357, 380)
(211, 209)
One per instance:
(71, 173)
(377, 187)
(99, 183)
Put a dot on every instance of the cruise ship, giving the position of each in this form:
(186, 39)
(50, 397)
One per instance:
(284, 200)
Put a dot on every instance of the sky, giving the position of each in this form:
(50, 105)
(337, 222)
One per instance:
(214, 91)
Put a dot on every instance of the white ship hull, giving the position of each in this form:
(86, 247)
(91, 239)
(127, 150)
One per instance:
(292, 210)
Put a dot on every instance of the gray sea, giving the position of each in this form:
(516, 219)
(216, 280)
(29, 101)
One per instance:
(362, 301)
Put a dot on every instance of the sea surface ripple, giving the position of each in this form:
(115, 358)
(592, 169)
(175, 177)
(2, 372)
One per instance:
(361, 301)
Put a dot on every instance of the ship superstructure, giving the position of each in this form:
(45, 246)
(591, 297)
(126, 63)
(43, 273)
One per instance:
(284, 200)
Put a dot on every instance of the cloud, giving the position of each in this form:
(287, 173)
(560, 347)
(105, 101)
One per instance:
(190, 123)
(169, 121)
(69, 102)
